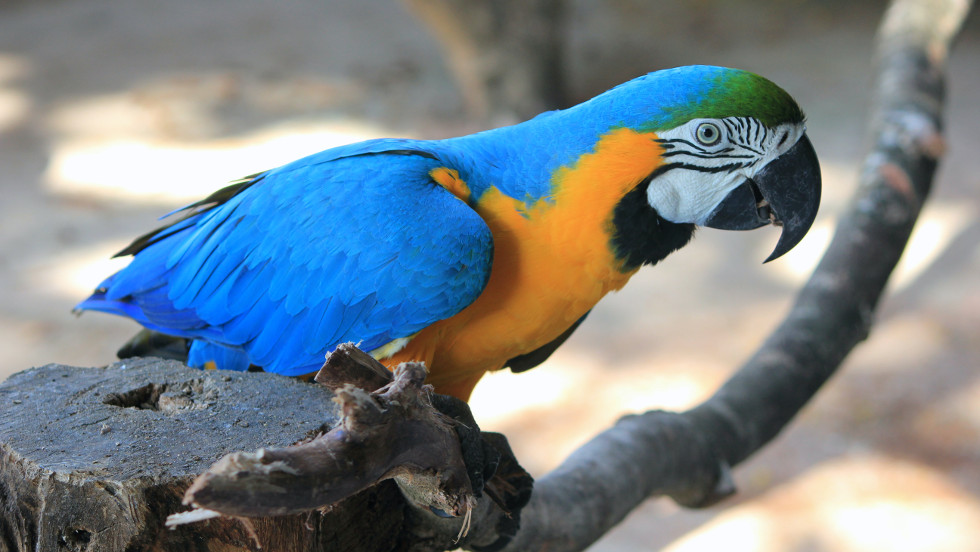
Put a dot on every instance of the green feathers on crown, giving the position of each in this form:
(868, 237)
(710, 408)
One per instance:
(704, 92)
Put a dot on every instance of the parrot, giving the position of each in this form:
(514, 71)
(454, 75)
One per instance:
(474, 253)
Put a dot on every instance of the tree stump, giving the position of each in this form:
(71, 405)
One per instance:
(97, 458)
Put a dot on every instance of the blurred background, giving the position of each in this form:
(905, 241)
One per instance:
(114, 113)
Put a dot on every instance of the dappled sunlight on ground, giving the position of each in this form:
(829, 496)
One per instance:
(795, 267)
(75, 273)
(552, 409)
(939, 224)
(169, 172)
(878, 504)
(15, 104)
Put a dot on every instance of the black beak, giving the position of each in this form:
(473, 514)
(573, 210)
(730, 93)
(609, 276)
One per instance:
(785, 192)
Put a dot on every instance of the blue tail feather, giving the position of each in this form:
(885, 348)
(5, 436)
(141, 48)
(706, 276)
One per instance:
(225, 358)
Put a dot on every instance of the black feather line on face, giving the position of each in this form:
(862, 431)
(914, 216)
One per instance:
(640, 235)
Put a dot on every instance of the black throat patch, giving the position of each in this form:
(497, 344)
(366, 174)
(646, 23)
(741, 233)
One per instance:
(641, 236)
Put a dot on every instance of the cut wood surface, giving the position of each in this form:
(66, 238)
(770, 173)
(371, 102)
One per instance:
(96, 459)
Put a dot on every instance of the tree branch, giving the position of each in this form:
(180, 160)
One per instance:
(688, 456)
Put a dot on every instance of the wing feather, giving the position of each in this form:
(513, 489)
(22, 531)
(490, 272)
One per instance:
(355, 244)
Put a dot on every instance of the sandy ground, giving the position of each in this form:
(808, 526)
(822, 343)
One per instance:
(113, 113)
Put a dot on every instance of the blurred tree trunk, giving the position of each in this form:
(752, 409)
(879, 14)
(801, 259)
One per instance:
(506, 55)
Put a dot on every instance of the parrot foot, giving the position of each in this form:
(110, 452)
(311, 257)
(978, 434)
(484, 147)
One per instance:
(490, 464)
(392, 426)
(388, 432)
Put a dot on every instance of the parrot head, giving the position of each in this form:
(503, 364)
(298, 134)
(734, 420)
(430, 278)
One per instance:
(735, 155)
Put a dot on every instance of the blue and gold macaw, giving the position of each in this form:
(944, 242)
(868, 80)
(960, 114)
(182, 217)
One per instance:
(473, 253)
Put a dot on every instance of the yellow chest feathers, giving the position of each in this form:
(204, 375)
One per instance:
(552, 260)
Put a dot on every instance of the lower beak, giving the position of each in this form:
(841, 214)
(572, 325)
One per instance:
(785, 192)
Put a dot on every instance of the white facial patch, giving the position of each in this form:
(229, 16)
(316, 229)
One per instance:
(706, 159)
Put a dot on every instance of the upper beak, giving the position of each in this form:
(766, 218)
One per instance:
(785, 192)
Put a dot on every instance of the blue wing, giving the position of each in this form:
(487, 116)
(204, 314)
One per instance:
(353, 244)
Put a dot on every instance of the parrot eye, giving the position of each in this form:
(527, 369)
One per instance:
(708, 134)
